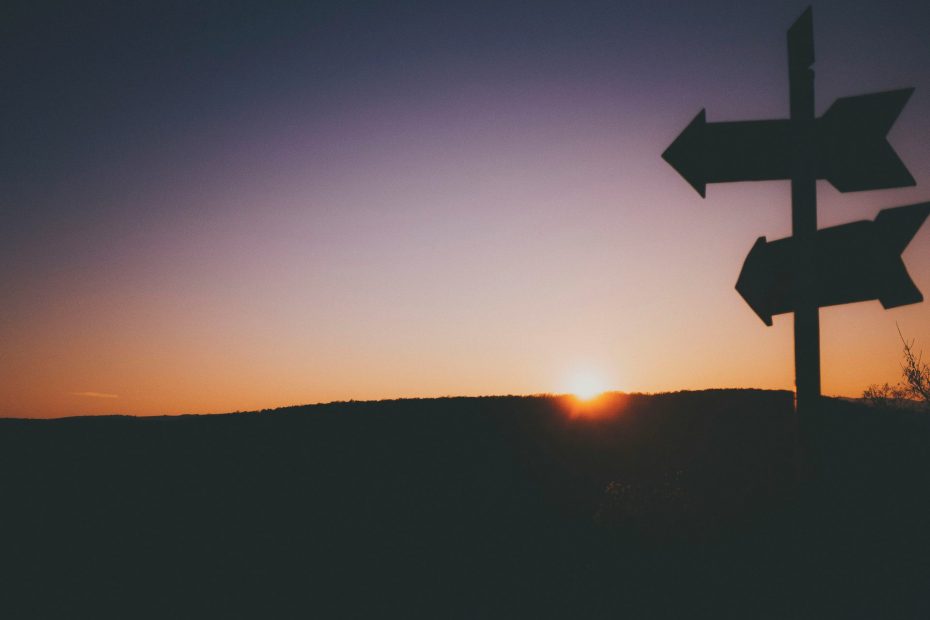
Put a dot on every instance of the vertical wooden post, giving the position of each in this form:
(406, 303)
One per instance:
(804, 229)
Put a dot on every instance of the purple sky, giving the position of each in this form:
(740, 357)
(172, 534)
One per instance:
(233, 206)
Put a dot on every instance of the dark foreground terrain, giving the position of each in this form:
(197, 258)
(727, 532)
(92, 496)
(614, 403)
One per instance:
(676, 505)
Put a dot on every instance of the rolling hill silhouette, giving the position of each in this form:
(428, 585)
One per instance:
(667, 505)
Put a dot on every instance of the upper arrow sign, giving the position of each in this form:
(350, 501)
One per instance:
(853, 262)
(852, 152)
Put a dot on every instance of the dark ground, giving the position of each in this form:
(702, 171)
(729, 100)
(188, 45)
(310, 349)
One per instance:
(679, 505)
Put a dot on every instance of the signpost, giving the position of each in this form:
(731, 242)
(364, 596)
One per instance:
(847, 147)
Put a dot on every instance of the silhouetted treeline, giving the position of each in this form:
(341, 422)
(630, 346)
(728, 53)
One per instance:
(669, 505)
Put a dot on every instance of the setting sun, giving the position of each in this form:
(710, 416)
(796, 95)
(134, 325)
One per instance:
(586, 386)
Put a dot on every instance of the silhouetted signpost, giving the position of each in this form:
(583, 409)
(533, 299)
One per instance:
(847, 147)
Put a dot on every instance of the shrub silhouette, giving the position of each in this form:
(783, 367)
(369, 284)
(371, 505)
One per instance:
(886, 395)
(914, 386)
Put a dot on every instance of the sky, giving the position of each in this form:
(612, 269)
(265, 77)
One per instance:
(221, 206)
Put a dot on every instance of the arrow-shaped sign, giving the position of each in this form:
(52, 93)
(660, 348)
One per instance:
(851, 150)
(853, 262)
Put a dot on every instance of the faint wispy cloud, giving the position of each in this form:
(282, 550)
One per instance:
(95, 394)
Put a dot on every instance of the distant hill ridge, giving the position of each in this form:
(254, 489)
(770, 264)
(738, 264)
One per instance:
(427, 399)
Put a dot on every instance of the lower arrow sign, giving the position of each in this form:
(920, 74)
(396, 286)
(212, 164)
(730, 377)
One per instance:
(858, 261)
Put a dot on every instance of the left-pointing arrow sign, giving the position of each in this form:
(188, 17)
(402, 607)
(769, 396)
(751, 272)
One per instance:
(851, 150)
(853, 262)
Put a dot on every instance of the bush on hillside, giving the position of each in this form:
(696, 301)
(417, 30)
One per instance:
(914, 386)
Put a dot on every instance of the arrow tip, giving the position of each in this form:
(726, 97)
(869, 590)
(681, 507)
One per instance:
(686, 153)
(754, 281)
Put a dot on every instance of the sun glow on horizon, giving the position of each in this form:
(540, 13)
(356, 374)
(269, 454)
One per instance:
(586, 386)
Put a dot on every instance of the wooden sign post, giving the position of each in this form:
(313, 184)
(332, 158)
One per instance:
(847, 147)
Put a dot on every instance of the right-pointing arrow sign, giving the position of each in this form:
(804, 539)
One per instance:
(853, 262)
(852, 152)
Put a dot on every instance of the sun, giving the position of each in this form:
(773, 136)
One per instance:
(586, 386)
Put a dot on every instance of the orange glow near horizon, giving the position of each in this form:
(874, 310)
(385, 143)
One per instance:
(600, 406)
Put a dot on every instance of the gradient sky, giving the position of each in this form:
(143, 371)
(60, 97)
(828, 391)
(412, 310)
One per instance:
(219, 206)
